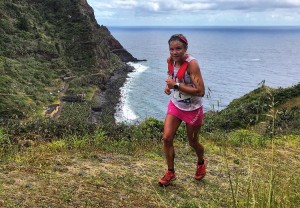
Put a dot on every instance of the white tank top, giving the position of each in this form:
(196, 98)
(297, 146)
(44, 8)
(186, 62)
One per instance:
(182, 100)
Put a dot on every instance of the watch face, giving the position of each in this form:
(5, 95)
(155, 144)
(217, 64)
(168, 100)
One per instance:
(176, 86)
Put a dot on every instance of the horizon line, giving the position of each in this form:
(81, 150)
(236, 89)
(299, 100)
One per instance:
(201, 25)
(186, 26)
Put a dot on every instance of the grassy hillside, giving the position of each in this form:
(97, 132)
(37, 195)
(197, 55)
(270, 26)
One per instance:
(49, 163)
(264, 108)
(53, 50)
(46, 163)
(43, 41)
(122, 168)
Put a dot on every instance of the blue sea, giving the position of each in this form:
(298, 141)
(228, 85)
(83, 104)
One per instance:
(233, 62)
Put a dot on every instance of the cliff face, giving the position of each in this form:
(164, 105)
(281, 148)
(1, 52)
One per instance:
(106, 37)
(42, 41)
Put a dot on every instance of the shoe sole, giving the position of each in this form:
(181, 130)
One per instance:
(165, 185)
(198, 179)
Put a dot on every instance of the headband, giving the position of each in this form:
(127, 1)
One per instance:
(183, 38)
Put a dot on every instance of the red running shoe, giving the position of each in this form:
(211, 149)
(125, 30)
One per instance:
(201, 171)
(168, 177)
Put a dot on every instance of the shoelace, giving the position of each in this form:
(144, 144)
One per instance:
(168, 175)
(199, 169)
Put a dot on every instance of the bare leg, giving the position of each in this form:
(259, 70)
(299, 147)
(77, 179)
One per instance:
(193, 134)
(170, 127)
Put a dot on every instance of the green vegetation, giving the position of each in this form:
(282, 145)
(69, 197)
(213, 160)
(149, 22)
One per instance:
(53, 50)
(70, 162)
(120, 166)
(40, 43)
(254, 108)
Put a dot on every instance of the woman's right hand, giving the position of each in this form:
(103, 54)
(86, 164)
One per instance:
(167, 90)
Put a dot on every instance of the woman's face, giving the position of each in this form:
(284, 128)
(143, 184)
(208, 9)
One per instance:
(177, 50)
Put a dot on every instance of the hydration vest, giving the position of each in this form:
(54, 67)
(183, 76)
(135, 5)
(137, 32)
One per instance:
(181, 71)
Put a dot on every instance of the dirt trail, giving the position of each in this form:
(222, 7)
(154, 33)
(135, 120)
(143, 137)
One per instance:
(61, 103)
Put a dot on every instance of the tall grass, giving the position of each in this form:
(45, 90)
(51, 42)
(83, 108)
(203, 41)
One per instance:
(273, 115)
(5, 143)
(232, 189)
(247, 182)
(258, 194)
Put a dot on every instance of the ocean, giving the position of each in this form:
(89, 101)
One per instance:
(233, 62)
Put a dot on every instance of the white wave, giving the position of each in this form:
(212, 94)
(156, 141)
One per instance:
(123, 111)
(139, 68)
(255, 59)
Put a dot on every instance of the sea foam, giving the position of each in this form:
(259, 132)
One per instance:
(124, 112)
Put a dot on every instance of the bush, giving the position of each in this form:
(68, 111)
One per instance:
(151, 128)
(4, 139)
(23, 24)
(245, 137)
(252, 108)
(287, 121)
(5, 143)
(45, 129)
(6, 26)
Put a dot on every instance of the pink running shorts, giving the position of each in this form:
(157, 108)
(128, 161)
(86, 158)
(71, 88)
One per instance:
(193, 118)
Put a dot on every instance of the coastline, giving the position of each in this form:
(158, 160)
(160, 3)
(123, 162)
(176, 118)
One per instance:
(108, 99)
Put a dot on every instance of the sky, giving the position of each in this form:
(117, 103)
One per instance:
(196, 12)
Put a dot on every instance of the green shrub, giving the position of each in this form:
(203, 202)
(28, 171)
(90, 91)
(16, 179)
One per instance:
(46, 128)
(99, 137)
(287, 121)
(4, 139)
(245, 137)
(151, 128)
(58, 145)
(23, 23)
(253, 108)
(6, 25)
(5, 143)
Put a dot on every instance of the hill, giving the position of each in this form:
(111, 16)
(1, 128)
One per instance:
(265, 109)
(53, 53)
(111, 169)
(53, 49)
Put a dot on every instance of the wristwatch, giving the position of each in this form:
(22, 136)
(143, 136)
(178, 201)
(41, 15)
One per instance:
(176, 86)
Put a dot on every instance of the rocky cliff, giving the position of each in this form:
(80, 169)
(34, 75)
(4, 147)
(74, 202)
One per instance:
(44, 41)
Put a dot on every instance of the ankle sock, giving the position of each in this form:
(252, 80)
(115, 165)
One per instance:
(201, 163)
(171, 169)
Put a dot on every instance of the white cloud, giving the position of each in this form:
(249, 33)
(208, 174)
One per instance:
(160, 5)
(152, 6)
(100, 5)
(125, 4)
(197, 6)
(175, 5)
(218, 12)
(105, 14)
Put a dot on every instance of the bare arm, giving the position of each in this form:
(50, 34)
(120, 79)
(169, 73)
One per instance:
(198, 88)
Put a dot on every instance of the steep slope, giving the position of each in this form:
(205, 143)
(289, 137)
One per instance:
(264, 107)
(44, 41)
